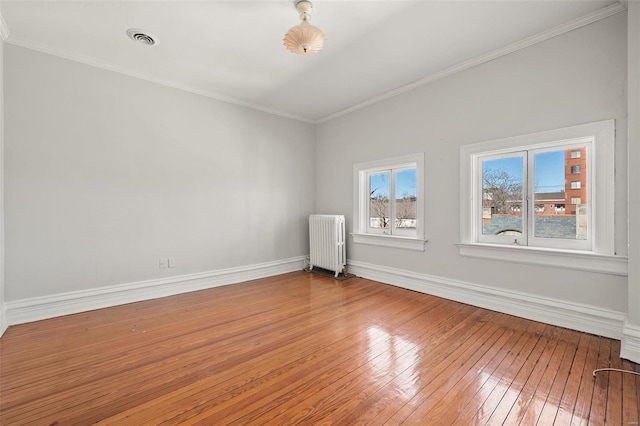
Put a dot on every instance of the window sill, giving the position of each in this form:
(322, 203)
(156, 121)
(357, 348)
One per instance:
(564, 259)
(406, 243)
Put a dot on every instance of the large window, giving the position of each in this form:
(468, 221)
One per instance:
(546, 191)
(389, 202)
(520, 190)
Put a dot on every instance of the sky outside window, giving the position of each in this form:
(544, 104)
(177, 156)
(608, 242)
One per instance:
(548, 170)
(405, 183)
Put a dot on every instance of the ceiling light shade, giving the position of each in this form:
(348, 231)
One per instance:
(304, 39)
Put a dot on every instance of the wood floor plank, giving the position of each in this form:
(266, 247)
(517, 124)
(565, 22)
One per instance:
(467, 390)
(503, 377)
(530, 358)
(572, 385)
(318, 364)
(636, 368)
(629, 396)
(614, 393)
(554, 396)
(580, 415)
(292, 398)
(339, 394)
(539, 398)
(601, 386)
(200, 359)
(447, 374)
(306, 349)
(541, 370)
(379, 407)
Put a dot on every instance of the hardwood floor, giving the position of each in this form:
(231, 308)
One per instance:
(305, 349)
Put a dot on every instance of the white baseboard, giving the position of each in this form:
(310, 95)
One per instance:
(38, 308)
(630, 347)
(3, 318)
(587, 318)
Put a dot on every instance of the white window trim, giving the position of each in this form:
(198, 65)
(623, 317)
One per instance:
(360, 203)
(563, 259)
(602, 256)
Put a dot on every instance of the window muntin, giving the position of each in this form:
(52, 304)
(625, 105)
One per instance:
(526, 197)
(575, 185)
(575, 153)
(389, 202)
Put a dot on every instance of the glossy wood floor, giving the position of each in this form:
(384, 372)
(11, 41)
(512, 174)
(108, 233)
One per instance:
(305, 349)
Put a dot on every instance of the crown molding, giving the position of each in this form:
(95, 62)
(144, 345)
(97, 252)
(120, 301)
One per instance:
(87, 60)
(603, 13)
(4, 30)
(522, 44)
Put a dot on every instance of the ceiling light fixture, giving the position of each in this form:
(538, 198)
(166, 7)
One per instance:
(304, 39)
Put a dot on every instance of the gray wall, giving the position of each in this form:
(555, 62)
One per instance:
(105, 174)
(3, 316)
(634, 171)
(576, 78)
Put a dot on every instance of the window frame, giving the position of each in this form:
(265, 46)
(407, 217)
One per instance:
(398, 238)
(600, 256)
(369, 228)
(528, 214)
(498, 239)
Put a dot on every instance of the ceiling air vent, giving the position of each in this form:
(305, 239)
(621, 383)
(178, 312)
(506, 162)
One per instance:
(141, 37)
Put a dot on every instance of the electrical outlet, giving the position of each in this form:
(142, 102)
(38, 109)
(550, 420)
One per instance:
(163, 263)
(172, 262)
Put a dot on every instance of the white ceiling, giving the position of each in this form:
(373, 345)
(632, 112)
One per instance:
(232, 50)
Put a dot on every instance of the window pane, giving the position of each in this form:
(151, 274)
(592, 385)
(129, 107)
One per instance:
(502, 196)
(560, 193)
(406, 191)
(379, 209)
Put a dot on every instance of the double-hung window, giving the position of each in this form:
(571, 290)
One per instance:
(535, 197)
(388, 205)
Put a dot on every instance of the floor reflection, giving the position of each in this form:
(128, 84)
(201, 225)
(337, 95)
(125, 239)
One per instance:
(390, 355)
